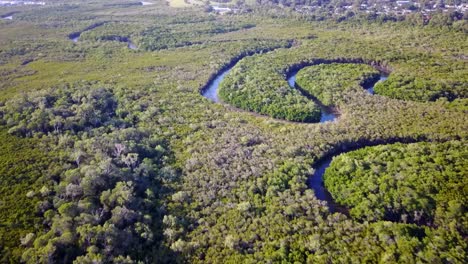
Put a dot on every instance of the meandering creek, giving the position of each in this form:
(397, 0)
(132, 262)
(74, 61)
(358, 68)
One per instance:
(316, 181)
(211, 92)
(327, 113)
(76, 36)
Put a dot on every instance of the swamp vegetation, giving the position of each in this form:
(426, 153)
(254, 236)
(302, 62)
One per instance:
(112, 155)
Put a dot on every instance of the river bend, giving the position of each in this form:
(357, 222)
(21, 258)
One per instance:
(316, 181)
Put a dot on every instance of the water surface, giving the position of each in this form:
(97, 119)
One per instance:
(327, 114)
(211, 91)
(382, 78)
(316, 181)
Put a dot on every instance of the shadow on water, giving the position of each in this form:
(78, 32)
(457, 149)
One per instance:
(316, 183)
(370, 88)
(211, 91)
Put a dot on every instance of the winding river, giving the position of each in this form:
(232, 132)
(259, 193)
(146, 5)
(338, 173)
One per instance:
(211, 92)
(316, 181)
(327, 114)
(9, 16)
(130, 44)
(76, 36)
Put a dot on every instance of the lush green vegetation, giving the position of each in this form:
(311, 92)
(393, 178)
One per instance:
(184, 34)
(114, 31)
(272, 97)
(419, 183)
(327, 81)
(409, 87)
(245, 87)
(61, 110)
(442, 77)
(22, 164)
(112, 155)
(106, 187)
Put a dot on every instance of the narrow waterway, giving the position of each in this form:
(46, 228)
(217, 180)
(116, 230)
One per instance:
(76, 36)
(370, 88)
(326, 114)
(211, 92)
(131, 45)
(316, 181)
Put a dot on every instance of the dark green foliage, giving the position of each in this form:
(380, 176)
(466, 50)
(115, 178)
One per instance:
(22, 164)
(326, 82)
(427, 77)
(110, 32)
(60, 109)
(420, 183)
(408, 87)
(178, 35)
(234, 189)
(103, 205)
(271, 96)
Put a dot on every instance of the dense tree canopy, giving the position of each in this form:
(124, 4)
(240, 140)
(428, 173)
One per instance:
(419, 183)
(272, 97)
(112, 155)
(327, 81)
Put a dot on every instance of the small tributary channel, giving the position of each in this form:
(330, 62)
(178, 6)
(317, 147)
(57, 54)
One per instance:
(329, 113)
(8, 16)
(316, 181)
(75, 36)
